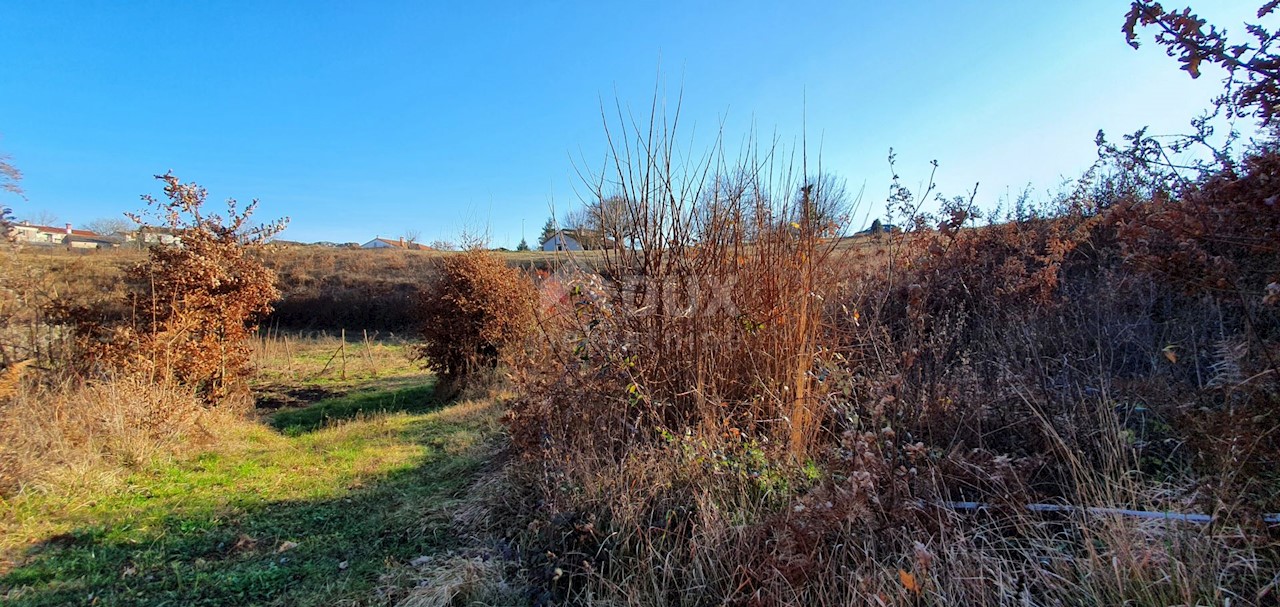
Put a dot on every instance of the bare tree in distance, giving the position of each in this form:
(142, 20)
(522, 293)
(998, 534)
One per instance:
(474, 238)
(10, 177)
(828, 205)
(598, 222)
(475, 235)
(412, 235)
(43, 217)
(111, 226)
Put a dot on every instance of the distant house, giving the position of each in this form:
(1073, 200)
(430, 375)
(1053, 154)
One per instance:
(562, 240)
(387, 243)
(50, 236)
(77, 241)
(45, 235)
(148, 235)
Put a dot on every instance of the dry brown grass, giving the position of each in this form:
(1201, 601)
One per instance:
(11, 378)
(728, 414)
(74, 428)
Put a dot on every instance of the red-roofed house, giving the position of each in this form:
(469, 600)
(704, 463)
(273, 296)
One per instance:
(387, 243)
(26, 233)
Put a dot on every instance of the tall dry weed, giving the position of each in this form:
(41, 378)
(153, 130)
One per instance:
(704, 313)
(51, 431)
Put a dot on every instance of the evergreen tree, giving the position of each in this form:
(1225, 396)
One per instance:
(549, 229)
(523, 246)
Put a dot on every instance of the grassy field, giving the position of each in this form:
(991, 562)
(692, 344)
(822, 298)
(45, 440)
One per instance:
(314, 505)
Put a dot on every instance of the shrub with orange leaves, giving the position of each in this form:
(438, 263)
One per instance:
(194, 302)
(1221, 238)
(472, 313)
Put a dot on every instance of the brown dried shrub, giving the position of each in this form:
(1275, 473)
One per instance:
(1013, 363)
(473, 313)
(194, 304)
(1216, 247)
(1221, 237)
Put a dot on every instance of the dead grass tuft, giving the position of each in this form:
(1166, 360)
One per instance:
(47, 432)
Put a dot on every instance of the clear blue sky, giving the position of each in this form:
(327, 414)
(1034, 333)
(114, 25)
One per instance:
(360, 119)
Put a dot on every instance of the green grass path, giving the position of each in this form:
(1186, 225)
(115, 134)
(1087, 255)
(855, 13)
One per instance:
(306, 513)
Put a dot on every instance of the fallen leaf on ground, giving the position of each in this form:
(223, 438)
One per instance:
(909, 581)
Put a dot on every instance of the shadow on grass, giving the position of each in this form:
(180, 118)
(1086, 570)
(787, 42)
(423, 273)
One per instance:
(234, 549)
(414, 399)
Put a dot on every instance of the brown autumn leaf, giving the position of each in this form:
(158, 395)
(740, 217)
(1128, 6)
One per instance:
(909, 582)
(1193, 65)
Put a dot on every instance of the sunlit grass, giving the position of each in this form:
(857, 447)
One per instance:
(311, 516)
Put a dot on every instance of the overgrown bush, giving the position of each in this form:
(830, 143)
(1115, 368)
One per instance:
(194, 304)
(732, 405)
(1041, 360)
(473, 314)
(1217, 248)
(705, 315)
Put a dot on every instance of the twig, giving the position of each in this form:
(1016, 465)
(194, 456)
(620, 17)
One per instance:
(1271, 519)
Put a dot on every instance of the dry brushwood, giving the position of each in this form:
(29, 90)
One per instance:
(472, 313)
(194, 302)
(11, 378)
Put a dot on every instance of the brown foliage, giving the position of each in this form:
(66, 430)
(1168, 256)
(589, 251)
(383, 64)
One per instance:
(1252, 67)
(706, 313)
(1218, 246)
(1221, 238)
(473, 313)
(194, 304)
